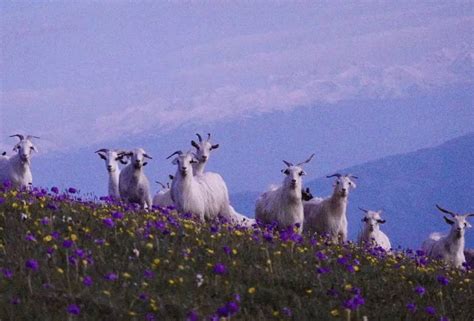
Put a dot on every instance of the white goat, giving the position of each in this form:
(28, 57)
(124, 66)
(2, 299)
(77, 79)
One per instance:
(203, 195)
(203, 151)
(16, 168)
(371, 233)
(112, 159)
(328, 215)
(283, 204)
(163, 197)
(449, 248)
(134, 186)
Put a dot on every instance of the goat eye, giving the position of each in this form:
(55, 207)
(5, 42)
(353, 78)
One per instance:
(301, 173)
(286, 172)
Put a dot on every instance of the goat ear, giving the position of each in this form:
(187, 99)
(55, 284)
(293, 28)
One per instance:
(175, 161)
(102, 156)
(15, 148)
(171, 177)
(215, 146)
(450, 222)
(194, 144)
(381, 221)
(145, 163)
(123, 161)
(34, 148)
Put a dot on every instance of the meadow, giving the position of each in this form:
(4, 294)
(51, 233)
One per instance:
(67, 258)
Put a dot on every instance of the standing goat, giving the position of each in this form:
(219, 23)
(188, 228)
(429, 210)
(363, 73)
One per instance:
(328, 215)
(203, 195)
(16, 168)
(449, 248)
(371, 234)
(112, 160)
(203, 151)
(134, 186)
(284, 204)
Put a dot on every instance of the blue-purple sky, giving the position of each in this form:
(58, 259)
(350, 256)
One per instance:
(271, 80)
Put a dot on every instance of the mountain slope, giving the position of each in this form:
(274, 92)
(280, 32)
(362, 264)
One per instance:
(406, 187)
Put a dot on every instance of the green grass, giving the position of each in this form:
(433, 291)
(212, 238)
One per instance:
(159, 256)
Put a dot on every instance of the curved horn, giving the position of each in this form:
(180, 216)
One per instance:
(21, 137)
(334, 175)
(470, 214)
(147, 156)
(287, 163)
(199, 137)
(102, 150)
(31, 136)
(306, 161)
(208, 136)
(363, 210)
(350, 175)
(162, 185)
(178, 152)
(445, 211)
(194, 144)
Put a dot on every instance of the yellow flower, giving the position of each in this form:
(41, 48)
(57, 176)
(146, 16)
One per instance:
(348, 287)
(171, 281)
(234, 251)
(126, 275)
(149, 246)
(210, 251)
(276, 313)
(60, 270)
(335, 312)
(309, 291)
(251, 290)
(107, 293)
(47, 238)
(73, 237)
(356, 268)
(131, 313)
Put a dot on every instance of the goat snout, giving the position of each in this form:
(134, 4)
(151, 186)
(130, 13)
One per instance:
(109, 167)
(204, 157)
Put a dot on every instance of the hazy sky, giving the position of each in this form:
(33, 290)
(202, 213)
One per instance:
(86, 74)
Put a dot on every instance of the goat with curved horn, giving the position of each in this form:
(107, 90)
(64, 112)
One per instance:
(178, 152)
(21, 137)
(287, 163)
(199, 137)
(306, 161)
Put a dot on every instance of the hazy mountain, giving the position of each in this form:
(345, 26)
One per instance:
(406, 187)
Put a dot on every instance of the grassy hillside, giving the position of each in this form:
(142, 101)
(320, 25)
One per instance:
(62, 258)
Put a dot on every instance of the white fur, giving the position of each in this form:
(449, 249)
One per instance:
(112, 160)
(449, 248)
(371, 233)
(204, 195)
(328, 215)
(16, 168)
(283, 204)
(134, 186)
(163, 197)
(203, 152)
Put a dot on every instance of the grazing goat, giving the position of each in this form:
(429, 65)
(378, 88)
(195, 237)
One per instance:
(449, 248)
(134, 186)
(328, 215)
(16, 168)
(284, 204)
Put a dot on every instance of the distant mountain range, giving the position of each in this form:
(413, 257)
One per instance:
(406, 187)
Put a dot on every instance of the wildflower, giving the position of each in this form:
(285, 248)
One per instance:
(111, 276)
(192, 316)
(108, 222)
(117, 215)
(15, 300)
(87, 281)
(411, 307)
(150, 317)
(321, 256)
(148, 274)
(47, 238)
(251, 290)
(45, 221)
(420, 290)
(72, 190)
(219, 269)
(430, 310)
(199, 279)
(32, 264)
(443, 319)
(323, 270)
(287, 311)
(30, 237)
(442, 280)
(2, 200)
(335, 312)
(73, 309)
(227, 250)
(7, 273)
(67, 243)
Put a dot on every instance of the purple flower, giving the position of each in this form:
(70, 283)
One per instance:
(219, 269)
(2, 200)
(73, 309)
(67, 243)
(7, 273)
(15, 300)
(443, 319)
(233, 307)
(45, 221)
(227, 250)
(32, 264)
(72, 190)
(223, 311)
(143, 297)
(108, 222)
(55, 190)
(99, 241)
(321, 256)
(420, 290)
(117, 215)
(111, 276)
(411, 307)
(430, 310)
(192, 316)
(287, 311)
(148, 274)
(30, 237)
(442, 280)
(323, 270)
(87, 281)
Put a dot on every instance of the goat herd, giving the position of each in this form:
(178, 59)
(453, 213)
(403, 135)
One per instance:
(205, 194)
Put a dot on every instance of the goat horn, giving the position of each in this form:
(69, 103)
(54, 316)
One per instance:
(350, 175)
(307, 161)
(102, 150)
(445, 211)
(178, 152)
(363, 210)
(162, 185)
(31, 136)
(470, 214)
(21, 137)
(287, 163)
(334, 175)
(199, 137)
